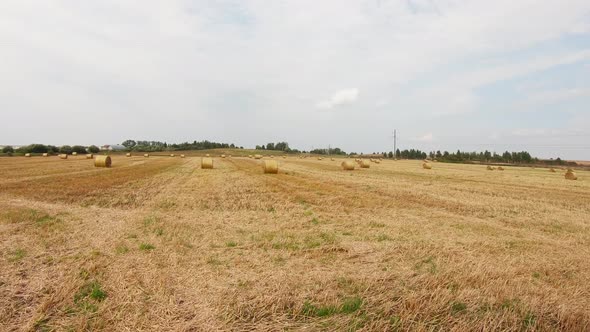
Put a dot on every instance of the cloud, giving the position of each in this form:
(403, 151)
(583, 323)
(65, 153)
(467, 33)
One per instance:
(342, 97)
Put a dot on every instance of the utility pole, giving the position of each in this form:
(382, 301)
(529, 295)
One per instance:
(394, 144)
(329, 148)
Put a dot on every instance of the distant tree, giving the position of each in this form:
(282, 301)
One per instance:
(8, 149)
(52, 149)
(130, 144)
(93, 149)
(78, 149)
(65, 149)
(390, 154)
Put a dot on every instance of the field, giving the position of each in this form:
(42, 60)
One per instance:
(158, 244)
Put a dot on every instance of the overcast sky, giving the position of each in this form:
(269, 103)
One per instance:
(470, 75)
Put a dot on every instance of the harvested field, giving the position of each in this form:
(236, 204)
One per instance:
(159, 244)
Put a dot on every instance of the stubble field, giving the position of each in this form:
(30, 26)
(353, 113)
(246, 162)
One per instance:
(159, 244)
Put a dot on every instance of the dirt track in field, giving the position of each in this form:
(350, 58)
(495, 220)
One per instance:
(160, 244)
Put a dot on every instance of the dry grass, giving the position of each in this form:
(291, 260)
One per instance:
(159, 244)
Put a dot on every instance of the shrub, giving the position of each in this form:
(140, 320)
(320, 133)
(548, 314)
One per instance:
(8, 149)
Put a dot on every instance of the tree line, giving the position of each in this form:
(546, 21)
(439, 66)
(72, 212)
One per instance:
(156, 146)
(42, 148)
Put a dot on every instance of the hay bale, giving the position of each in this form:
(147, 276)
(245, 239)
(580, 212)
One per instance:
(332, 159)
(426, 166)
(172, 155)
(207, 155)
(74, 153)
(63, 156)
(207, 163)
(222, 156)
(181, 156)
(320, 158)
(128, 155)
(147, 155)
(552, 170)
(271, 167)
(257, 156)
(45, 155)
(570, 175)
(500, 168)
(365, 164)
(490, 168)
(89, 156)
(102, 161)
(28, 155)
(284, 157)
(250, 156)
(347, 165)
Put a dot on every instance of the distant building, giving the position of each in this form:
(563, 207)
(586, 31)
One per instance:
(115, 147)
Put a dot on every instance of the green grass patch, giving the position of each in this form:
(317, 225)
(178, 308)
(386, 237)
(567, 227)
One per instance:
(457, 307)
(146, 247)
(348, 306)
(17, 255)
(121, 249)
(231, 244)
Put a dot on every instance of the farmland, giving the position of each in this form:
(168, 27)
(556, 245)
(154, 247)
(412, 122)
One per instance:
(160, 244)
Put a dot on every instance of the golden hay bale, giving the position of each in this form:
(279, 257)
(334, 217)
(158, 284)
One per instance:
(257, 156)
(128, 155)
(89, 156)
(207, 163)
(426, 166)
(570, 175)
(500, 168)
(27, 154)
(250, 156)
(222, 156)
(207, 155)
(347, 165)
(271, 167)
(284, 157)
(490, 168)
(181, 156)
(377, 162)
(332, 159)
(365, 164)
(63, 156)
(172, 155)
(45, 155)
(552, 170)
(147, 155)
(74, 153)
(102, 161)
(320, 158)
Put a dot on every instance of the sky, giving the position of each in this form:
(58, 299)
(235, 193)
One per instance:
(447, 75)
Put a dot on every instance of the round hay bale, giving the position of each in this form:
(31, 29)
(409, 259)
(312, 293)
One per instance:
(207, 163)
(570, 175)
(181, 156)
(207, 155)
(377, 161)
(89, 156)
(284, 157)
(28, 155)
(365, 164)
(332, 159)
(271, 167)
(426, 166)
(490, 168)
(257, 156)
(347, 165)
(102, 161)
(74, 153)
(250, 156)
(63, 156)
(222, 156)
(172, 155)
(552, 170)
(147, 155)
(320, 158)
(500, 168)
(45, 155)
(128, 155)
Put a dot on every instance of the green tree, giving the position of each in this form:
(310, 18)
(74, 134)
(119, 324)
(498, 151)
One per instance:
(78, 149)
(8, 149)
(93, 149)
(130, 144)
(65, 149)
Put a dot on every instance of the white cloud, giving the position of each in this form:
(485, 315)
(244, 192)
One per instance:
(342, 97)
